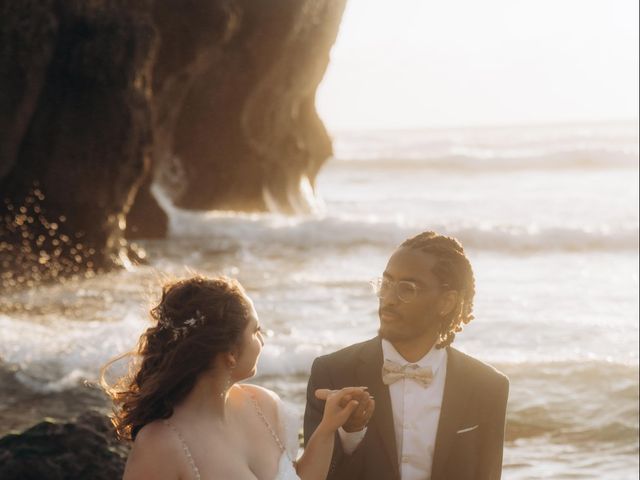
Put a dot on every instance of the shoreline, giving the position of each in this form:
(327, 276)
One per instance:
(21, 408)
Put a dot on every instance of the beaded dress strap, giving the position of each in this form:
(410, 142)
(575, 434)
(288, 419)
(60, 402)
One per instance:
(266, 422)
(196, 472)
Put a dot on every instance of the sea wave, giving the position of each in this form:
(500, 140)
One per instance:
(490, 160)
(552, 146)
(256, 232)
(567, 402)
(574, 402)
(57, 356)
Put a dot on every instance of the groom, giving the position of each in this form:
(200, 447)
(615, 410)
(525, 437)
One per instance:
(439, 414)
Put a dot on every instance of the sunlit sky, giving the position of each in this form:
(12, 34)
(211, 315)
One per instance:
(417, 63)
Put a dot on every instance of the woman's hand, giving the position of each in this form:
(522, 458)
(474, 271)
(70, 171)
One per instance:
(351, 405)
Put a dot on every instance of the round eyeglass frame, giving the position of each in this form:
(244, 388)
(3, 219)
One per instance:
(377, 286)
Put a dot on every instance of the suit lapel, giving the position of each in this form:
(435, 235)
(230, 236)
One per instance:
(369, 373)
(454, 402)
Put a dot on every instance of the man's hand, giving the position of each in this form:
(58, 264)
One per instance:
(361, 415)
(354, 406)
(338, 408)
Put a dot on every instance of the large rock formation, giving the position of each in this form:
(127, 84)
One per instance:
(212, 98)
(248, 135)
(74, 132)
(192, 37)
(234, 106)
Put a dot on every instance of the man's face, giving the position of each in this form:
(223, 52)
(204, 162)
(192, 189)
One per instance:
(407, 320)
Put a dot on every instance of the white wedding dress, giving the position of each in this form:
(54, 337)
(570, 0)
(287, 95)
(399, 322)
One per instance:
(285, 435)
(288, 428)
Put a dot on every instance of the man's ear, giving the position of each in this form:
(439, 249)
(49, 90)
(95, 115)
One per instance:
(448, 302)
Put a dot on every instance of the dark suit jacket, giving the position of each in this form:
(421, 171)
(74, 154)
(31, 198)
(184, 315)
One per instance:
(474, 394)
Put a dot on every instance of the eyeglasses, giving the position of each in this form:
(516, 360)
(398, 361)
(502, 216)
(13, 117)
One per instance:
(405, 290)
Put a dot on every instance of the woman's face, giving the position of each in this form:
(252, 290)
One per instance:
(251, 346)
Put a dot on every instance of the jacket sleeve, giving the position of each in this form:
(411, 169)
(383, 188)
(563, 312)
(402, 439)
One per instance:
(314, 409)
(343, 467)
(492, 443)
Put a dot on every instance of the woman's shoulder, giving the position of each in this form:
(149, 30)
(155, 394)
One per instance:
(155, 453)
(261, 392)
(155, 433)
(266, 399)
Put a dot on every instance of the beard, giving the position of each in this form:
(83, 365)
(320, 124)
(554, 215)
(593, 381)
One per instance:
(403, 331)
(393, 335)
(401, 334)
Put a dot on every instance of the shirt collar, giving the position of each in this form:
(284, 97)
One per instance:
(434, 358)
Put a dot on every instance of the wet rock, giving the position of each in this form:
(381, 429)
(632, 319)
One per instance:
(83, 449)
(192, 35)
(21, 405)
(74, 78)
(146, 219)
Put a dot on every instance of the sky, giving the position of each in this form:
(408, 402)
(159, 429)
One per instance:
(426, 63)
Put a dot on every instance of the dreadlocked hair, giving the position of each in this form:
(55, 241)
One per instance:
(454, 270)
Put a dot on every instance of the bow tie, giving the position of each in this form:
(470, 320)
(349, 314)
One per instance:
(392, 372)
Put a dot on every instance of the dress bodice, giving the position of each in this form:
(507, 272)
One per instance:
(285, 435)
(288, 426)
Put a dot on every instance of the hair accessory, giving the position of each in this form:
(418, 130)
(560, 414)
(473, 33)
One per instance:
(181, 331)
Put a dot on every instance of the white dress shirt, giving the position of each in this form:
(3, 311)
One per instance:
(416, 413)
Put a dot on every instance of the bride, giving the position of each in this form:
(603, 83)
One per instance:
(186, 414)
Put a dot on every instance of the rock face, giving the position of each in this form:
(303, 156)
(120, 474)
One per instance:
(83, 449)
(248, 135)
(192, 35)
(212, 99)
(75, 132)
(235, 123)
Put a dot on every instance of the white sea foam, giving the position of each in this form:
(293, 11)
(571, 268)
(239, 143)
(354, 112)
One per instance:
(262, 231)
(52, 357)
(59, 354)
(56, 357)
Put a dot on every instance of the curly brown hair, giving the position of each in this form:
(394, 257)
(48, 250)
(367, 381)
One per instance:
(453, 269)
(195, 320)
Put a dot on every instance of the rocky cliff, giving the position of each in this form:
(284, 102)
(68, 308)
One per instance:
(214, 100)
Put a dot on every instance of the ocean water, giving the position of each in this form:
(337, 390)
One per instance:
(548, 216)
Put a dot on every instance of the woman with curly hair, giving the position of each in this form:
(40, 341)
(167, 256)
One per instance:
(186, 413)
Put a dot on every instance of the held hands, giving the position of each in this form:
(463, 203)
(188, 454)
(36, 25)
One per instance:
(350, 408)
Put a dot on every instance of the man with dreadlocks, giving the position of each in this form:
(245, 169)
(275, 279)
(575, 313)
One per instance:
(439, 414)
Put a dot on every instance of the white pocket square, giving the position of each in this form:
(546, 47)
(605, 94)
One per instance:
(465, 430)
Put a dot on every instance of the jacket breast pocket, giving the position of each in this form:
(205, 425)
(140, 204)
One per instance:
(467, 441)
(467, 429)
(466, 446)
(467, 435)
